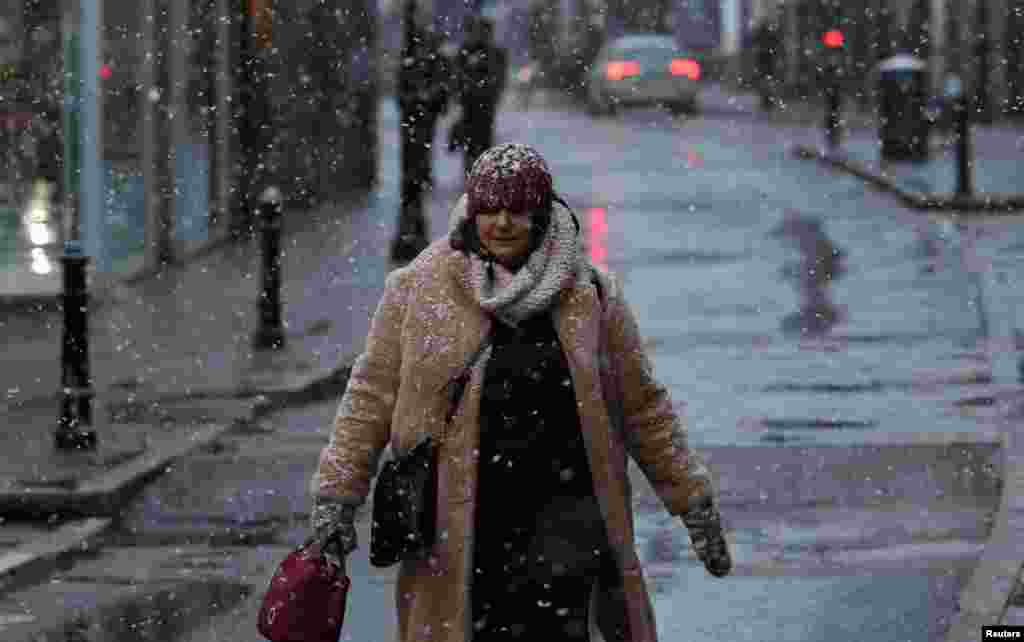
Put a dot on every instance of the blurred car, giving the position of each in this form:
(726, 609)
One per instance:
(642, 70)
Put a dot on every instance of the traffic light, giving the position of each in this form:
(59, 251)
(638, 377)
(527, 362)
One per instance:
(833, 39)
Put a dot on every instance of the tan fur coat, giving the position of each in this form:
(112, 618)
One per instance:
(424, 329)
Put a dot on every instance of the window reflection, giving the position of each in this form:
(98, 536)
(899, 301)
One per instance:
(41, 263)
(40, 233)
(37, 218)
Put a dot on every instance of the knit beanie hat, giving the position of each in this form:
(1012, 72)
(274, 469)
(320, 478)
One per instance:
(510, 176)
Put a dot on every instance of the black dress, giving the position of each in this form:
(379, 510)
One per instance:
(540, 539)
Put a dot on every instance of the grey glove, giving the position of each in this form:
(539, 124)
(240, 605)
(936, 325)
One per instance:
(705, 527)
(333, 526)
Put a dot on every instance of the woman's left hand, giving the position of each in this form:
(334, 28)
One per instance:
(705, 527)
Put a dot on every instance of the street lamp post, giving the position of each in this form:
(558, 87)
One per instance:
(254, 122)
(75, 423)
(834, 41)
(961, 111)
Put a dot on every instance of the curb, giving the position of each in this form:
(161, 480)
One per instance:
(999, 204)
(986, 600)
(32, 562)
(995, 587)
(102, 496)
(995, 592)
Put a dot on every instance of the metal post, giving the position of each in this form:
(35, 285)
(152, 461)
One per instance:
(255, 122)
(832, 132)
(91, 202)
(270, 334)
(982, 48)
(221, 174)
(71, 127)
(74, 428)
(241, 216)
(179, 118)
(963, 146)
(159, 223)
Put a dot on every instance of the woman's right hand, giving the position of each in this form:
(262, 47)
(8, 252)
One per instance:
(333, 527)
(330, 545)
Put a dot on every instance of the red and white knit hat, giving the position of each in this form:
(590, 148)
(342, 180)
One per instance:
(510, 176)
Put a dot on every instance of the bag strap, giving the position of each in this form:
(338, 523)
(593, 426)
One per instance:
(457, 385)
(454, 389)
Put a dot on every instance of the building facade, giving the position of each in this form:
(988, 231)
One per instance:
(323, 97)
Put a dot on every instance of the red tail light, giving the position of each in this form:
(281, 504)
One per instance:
(619, 69)
(685, 67)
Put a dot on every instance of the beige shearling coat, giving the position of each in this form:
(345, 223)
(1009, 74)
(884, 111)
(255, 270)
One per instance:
(424, 329)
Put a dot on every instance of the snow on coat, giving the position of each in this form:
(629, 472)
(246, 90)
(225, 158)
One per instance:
(426, 325)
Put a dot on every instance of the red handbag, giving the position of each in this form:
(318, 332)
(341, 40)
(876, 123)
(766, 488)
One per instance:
(305, 600)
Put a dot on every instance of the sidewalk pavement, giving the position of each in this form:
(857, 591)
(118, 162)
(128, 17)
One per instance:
(173, 368)
(997, 174)
(173, 371)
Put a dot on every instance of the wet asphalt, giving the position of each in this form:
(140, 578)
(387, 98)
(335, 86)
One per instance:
(784, 306)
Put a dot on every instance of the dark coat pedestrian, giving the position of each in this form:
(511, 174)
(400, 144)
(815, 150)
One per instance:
(534, 501)
(481, 68)
(49, 152)
(423, 95)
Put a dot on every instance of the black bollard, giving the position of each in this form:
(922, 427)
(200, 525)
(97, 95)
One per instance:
(74, 428)
(963, 147)
(270, 334)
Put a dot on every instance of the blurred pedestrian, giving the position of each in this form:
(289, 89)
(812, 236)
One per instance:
(50, 154)
(534, 511)
(481, 67)
(423, 96)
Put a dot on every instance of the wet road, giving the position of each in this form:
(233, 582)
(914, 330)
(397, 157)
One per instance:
(849, 573)
(783, 304)
(783, 301)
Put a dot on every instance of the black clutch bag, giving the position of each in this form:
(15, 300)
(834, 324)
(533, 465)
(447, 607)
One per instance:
(405, 497)
(405, 506)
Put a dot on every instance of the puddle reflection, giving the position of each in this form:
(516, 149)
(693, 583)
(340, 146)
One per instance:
(152, 615)
(821, 261)
(597, 236)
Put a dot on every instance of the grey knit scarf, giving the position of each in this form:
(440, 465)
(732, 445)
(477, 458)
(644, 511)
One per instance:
(559, 262)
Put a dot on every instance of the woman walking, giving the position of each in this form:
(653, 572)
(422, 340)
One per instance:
(534, 511)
